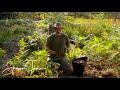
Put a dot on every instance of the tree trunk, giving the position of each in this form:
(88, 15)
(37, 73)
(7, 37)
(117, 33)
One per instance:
(115, 17)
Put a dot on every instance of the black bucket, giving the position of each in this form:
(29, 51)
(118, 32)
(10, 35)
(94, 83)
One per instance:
(79, 65)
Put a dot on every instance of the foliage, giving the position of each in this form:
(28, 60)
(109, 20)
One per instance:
(75, 53)
(37, 59)
(96, 37)
(2, 53)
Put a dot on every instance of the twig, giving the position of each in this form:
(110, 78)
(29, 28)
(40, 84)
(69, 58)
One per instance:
(8, 69)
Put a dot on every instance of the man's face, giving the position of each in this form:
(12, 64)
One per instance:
(58, 30)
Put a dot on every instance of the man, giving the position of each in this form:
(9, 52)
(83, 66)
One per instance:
(57, 45)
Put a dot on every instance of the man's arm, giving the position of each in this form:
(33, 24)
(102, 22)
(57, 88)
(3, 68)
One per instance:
(48, 46)
(50, 51)
(68, 44)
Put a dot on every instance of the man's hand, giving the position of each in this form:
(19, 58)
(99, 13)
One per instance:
(51, 52)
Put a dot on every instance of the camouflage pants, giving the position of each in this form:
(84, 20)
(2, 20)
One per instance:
(64, 65)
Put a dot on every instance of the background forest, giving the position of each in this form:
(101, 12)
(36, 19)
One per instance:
(23, 38)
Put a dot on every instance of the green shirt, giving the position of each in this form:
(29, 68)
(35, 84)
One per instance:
(59, 44)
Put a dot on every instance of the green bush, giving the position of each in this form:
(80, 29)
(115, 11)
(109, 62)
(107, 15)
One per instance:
(2, 53)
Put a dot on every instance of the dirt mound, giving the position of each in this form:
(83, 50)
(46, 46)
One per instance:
(96, 70)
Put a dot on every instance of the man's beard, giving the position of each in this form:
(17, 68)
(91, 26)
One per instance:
(58, 33)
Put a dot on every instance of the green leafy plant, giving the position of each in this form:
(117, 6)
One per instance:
(2, 53)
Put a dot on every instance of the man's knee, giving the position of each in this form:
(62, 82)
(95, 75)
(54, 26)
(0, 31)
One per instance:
(65, 66)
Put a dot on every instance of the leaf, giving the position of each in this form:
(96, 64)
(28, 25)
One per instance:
(114, 54)
(96, 39)
(12, 73)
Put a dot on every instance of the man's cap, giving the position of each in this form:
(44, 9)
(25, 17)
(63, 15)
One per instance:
(57, 25)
